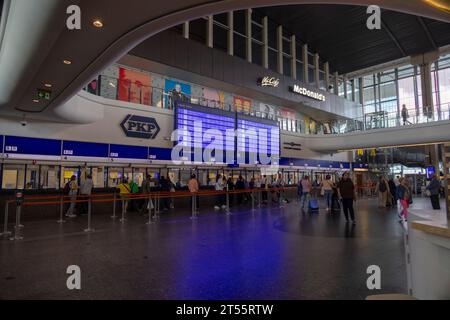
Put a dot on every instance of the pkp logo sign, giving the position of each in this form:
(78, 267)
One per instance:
(140, 127)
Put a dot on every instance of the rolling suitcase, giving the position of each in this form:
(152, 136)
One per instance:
(314, 206)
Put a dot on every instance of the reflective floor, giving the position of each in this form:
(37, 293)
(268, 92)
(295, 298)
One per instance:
(272, 253)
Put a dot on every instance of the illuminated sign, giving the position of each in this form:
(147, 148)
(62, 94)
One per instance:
(44, 94)
(308, 93)
(270, 82)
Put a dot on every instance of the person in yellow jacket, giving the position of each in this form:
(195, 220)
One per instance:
(124, 191)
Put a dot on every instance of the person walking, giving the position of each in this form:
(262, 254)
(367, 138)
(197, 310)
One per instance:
(434, 188)
(85, 193)
(72, 193)
(306, 191)
(404, 195)
(393, 192)
(347, 194)
(327, 188)
(405, 115)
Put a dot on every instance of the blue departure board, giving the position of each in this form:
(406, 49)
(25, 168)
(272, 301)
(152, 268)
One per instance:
(258, 136)
(195, 121)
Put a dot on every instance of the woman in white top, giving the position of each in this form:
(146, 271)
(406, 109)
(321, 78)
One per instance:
(327, 187)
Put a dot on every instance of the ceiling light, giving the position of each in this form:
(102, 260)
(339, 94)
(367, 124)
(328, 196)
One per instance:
(97, 23)
(68, 62)
(439, 4)
(36, 101)
(48, 85)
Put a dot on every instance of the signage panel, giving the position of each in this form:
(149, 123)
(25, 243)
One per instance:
(128, 152)
(32, 146)
(140, 127)
(85, 149)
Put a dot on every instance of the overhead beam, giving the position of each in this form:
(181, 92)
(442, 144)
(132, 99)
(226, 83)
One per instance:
(393, 38)
(427, 32)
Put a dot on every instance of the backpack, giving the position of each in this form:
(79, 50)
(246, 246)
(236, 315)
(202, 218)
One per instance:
(66, 189)
(383, 187)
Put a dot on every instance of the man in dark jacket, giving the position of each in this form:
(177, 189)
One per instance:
(347, 193)
(434, 187)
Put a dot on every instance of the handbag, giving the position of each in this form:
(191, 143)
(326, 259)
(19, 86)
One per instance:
(428, 193)
(322, 192)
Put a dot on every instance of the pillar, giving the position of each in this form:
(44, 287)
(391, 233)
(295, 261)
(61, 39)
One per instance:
(265, 40)
(186, 30)
(316, 70)
(326, 66)
(248, 33)
(210, 32)
(293, 58)
(280, 49)
(230, 36)
(305, 63)
(336, 83)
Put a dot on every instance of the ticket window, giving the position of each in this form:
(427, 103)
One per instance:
(173, 176)
(139, 175)
(67, 174)
(212, 175)
(32, 177)
(115, 176)
(203, 177)
(128, 174)
(98, 177)
(48, 179)
(13, 177)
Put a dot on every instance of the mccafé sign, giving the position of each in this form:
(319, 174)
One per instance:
(308, 93)
(269, 82)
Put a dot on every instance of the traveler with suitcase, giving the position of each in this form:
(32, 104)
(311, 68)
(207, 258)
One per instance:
(347, 193)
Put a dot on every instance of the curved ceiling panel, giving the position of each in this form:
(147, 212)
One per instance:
(37, 41)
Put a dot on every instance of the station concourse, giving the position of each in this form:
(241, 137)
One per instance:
(220, 151)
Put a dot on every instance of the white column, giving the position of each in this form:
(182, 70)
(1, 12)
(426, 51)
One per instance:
(427, 89)
(305, 63)
(265, 40)
(280, 49)
(186, 30)
(336, 83)
(248, 33)
(293, 58)
(316, 70)
(230, 18)
(210, 32)
(326, 66)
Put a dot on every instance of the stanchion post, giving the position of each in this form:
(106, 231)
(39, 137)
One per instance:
(124, 209)
(19, 201)
(150, 210)
(114, 206)
(194, 207)
(228, 212)
(253, 200)
(61, 209)
(6, 233)
(89, 228)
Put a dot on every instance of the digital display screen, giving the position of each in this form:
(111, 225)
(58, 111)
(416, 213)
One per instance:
(195, 122)
(258, 136)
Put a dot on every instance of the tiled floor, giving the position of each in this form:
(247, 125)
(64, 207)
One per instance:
(272, 253)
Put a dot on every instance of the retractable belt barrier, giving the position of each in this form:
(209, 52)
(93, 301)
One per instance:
(151, 200)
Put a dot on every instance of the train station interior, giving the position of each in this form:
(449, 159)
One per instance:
(224, 150)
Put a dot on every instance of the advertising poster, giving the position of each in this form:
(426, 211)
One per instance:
(214, 98)
(267, 111)
(176, 92)
(242, 105)
(134, 87)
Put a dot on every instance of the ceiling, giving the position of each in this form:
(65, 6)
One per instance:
(340, 36)
(36, 41)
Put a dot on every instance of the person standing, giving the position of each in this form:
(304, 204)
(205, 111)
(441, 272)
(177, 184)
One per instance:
(230, 188)
(306, 191)
(327, 187)
(265, 187)
(85, 193)
(73, 192)
(404, 195)
(347, 193)
(146, 189)
(383, 190)
(240, 187)
(124, 192)
(194, 188)
(434, 187)
(164, 185)
(219, 186)
(393, 192)
(405, 115)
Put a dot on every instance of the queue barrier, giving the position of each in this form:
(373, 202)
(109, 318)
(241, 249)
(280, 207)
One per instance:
(153, 203)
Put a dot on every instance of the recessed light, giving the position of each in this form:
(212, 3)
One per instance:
(97, 23)
(68, 62)
(48, 85)
(36, 101)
